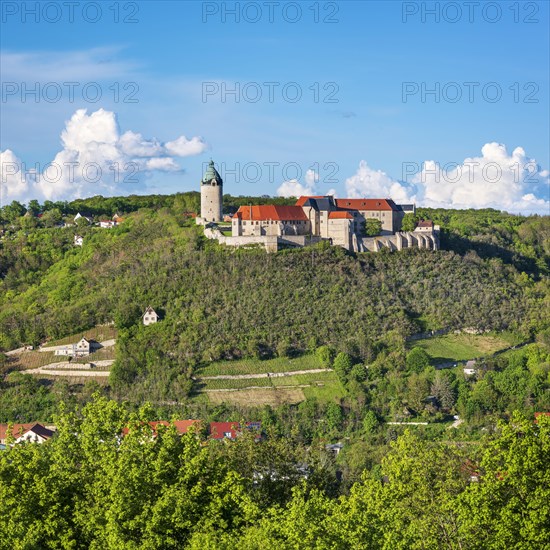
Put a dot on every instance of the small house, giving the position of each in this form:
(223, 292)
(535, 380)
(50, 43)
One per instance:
(425, 225)
(150, 316)
(78, 240)
(32, 432)
(107, 224)
(469, 369)
(231, 430)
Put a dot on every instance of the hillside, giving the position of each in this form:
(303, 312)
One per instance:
(221, 306)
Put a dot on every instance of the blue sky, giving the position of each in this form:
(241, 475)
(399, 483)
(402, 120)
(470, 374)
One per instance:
(352, 127)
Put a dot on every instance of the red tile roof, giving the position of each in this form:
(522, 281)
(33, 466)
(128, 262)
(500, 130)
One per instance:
(21, 429)
(366, 204)
(340, 215)
(219, 429)
(271, 212)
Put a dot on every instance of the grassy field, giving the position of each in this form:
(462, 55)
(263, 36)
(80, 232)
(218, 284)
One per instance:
(258, 397)
(462, 347)
(320, 378)
(99, 334)
(100, 355)
(35, 359)
(256, 366)
(274, 391)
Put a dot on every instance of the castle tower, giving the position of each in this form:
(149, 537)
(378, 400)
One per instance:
(211, 195)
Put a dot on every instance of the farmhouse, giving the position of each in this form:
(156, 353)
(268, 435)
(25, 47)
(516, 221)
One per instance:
(150, 316)
(33, 433)
(341, 222)
(80, 349)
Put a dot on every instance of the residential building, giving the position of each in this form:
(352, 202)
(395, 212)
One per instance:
(150, 316)
(33, 432)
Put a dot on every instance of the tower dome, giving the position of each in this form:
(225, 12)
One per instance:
(211, 194)
(211, 176)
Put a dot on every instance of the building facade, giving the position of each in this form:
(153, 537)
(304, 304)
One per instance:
(211, 196)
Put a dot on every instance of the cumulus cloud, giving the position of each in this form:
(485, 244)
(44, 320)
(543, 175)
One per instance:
(95, 159)
(367, 182)
(496, 179)
(293, 188)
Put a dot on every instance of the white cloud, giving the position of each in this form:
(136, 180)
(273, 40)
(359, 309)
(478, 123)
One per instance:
(512, 182)
(95, 159)
(183, 147)
(12, 185)
(293, 188)
(367, 182)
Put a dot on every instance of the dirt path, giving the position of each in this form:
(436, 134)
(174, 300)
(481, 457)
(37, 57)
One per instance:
(66, 369)
(262, 375)
(105, 344)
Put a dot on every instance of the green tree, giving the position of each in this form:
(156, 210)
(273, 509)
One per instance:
(371, 227)
(342, 366)
(417, 360)
(325, 355)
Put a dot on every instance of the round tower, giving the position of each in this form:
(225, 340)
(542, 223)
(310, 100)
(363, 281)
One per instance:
(211, 195)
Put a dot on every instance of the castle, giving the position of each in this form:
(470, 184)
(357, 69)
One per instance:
(342, 222)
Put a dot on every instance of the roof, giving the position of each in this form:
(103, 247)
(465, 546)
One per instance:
(340, 215)
(149, 310)
(303, 199)
(318, 203)
(211, 174)
(366, 204)
(218, 430)
(271, 212)
(425, 223)
(21, 429)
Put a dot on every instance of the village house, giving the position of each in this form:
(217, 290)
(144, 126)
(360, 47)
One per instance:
(80, 349)
(107, 224)
(232, 430)
(150, 316)
(78, 240)
(424, 225)
(469, 369)
(33, 432)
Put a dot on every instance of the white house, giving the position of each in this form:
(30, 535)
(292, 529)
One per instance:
(150, 316)
(107, 224)
(80, 349)
(469, 369)
(33, 432)
(78, 240)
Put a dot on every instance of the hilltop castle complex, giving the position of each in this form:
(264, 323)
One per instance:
(342, 222)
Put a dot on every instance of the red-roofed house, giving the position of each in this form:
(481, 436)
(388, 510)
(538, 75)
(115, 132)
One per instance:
(270, 219)
(231, 430)
(33, 432)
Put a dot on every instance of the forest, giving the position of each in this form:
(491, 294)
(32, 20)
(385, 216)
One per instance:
(91, 488)
(480, 484)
